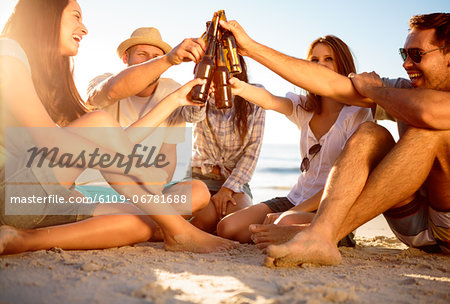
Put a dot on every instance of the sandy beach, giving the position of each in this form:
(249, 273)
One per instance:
(379, 270)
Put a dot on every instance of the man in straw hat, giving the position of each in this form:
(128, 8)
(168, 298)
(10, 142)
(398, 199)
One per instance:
(137, 89)
(408, 181)
(134, 91)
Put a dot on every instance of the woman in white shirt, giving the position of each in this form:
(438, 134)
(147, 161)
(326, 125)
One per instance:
(325, 126)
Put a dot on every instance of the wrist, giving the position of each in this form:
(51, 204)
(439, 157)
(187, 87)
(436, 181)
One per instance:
(226, 190)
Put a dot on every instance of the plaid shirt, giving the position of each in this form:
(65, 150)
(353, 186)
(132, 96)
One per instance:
(217, 143)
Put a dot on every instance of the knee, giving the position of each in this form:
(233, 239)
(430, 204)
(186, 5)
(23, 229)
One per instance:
(227, 228)
(369, 144)
(200, 195)
(369, 134)
(139, 227)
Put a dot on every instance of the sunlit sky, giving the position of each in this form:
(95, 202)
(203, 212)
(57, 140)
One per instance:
(374, 30)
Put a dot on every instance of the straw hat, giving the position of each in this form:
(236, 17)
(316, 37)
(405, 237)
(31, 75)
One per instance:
(144, 35)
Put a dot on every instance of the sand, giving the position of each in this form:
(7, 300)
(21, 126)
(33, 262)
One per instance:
(379, 270)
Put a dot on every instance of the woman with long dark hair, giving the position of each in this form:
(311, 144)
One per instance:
(226, 149)
(38, 94)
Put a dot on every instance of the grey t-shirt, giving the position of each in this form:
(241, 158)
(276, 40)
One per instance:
(380, 113)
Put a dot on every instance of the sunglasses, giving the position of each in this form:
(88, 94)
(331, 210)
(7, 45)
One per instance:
(306, 161)
(416, 54)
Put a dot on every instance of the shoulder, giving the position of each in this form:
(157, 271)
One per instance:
(11, 48)
(296, 98)
(351, 115)
(399, 83)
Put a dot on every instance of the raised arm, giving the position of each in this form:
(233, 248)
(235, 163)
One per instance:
(305, 74)
(261, 97)
(422, 108)
(136, 78)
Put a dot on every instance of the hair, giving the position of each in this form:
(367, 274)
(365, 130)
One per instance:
(242, 106)
(438, 21)
(36, 26)
(344, 62)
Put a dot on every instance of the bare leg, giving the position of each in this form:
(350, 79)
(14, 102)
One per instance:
(100, 231)
(179, 235)
(207, 218)
(419, 156)
(318, 243)
(235, 226)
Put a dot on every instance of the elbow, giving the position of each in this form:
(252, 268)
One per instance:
(112, 92)
(430, 120)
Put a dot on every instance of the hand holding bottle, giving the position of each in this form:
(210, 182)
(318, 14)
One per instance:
(243, 40)
(190, 49)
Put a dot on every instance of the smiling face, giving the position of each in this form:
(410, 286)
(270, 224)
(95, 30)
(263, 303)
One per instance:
(72, 29)
(433, 71)
(323, 55)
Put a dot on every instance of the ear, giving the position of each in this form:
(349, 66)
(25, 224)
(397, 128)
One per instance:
(125, 57)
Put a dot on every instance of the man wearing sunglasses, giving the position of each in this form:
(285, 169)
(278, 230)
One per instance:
(408, 181)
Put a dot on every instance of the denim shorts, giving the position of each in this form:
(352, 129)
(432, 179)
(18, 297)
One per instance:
(279, 204)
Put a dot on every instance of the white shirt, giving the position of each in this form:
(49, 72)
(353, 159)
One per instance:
(313, 180)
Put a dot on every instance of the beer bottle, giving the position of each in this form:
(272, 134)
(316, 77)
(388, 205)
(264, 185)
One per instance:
(222, 90)
(205, 67)
(204, 36)
(232, 58)
(230, 49)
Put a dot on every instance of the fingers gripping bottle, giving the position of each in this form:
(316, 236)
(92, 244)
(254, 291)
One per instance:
(205, 68)
(222, 90)
(230, 49)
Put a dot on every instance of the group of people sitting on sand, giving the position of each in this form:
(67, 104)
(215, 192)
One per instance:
(351, 168)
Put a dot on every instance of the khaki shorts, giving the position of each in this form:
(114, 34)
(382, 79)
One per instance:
(24, 183)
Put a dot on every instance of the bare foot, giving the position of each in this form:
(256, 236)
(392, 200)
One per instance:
(305, 247)
(272, 234)
(7, 236)
(194, 240)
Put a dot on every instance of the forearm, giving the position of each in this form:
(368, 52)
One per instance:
(265, 99)
(143, 127)
(129, 82)
(421, 108)
(308, 75)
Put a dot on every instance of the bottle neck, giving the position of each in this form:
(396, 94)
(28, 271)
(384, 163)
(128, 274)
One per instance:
(211, 48)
